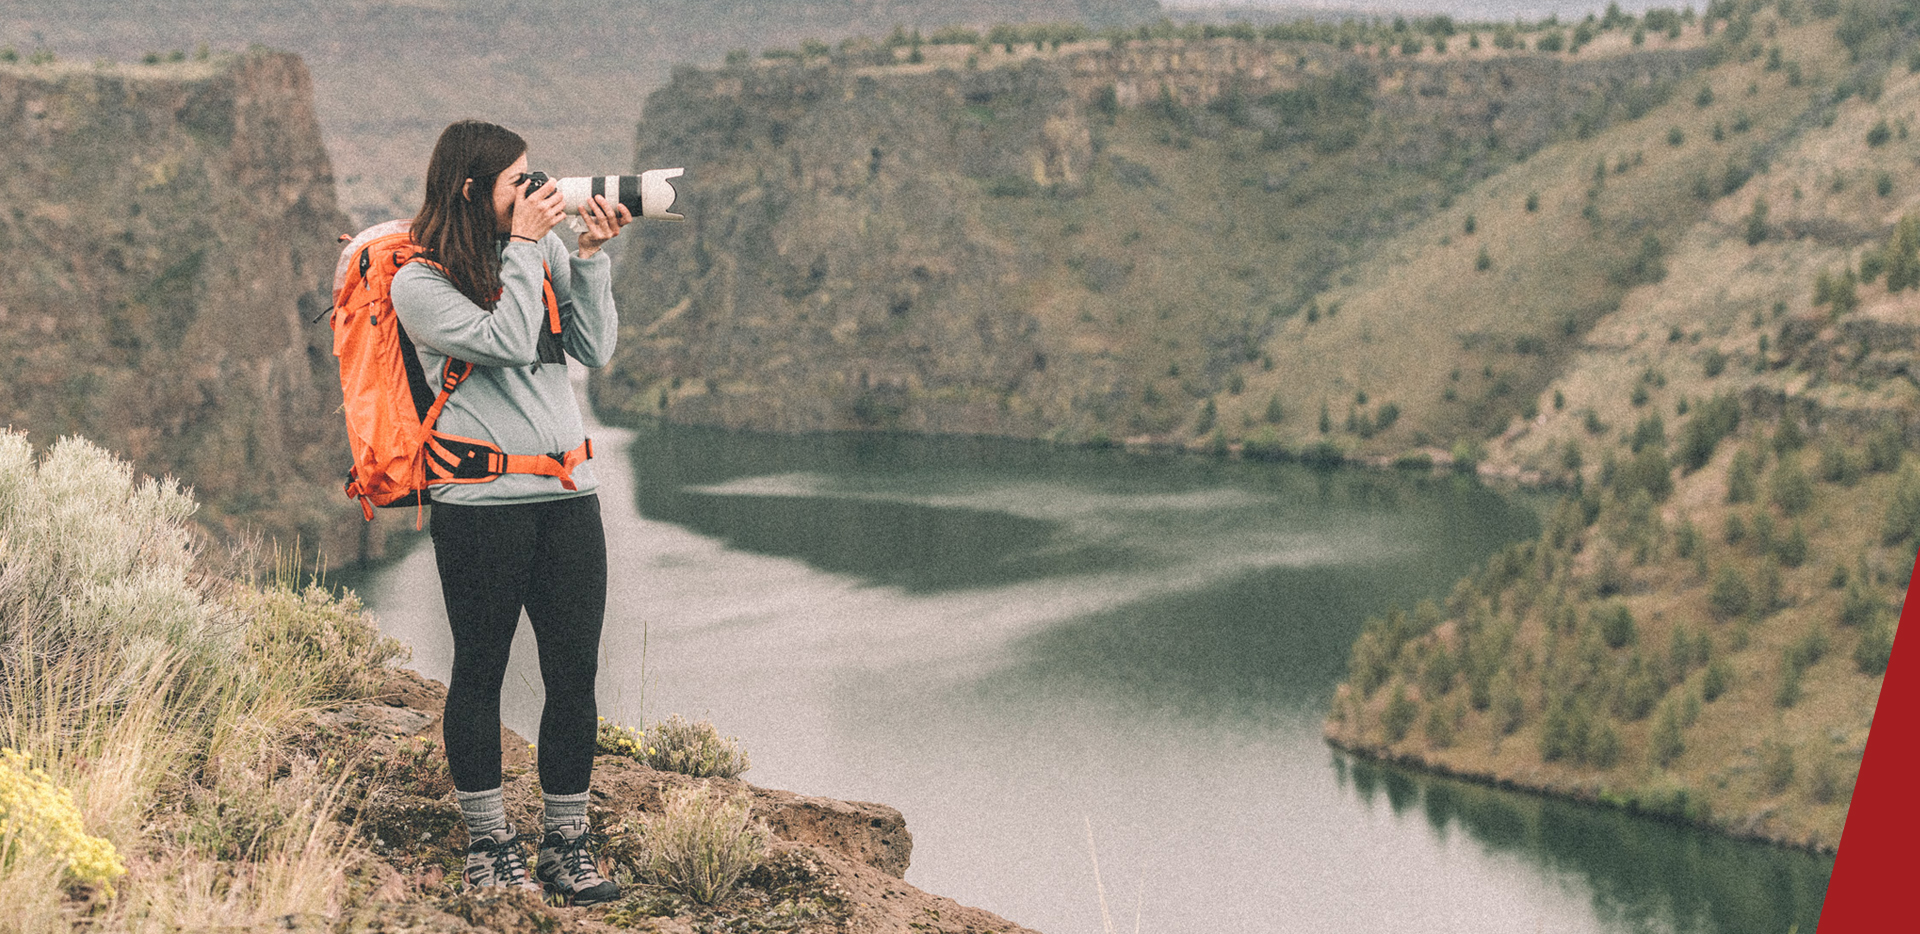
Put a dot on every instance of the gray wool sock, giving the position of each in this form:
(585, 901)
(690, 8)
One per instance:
(567, 813)
(485, 811)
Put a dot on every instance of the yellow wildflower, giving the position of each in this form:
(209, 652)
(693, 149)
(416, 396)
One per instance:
(39, 816)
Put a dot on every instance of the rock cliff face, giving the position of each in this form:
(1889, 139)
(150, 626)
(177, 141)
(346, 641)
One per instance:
(1082, 243)
(169, 235)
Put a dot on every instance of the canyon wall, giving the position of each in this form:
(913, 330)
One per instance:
(169, 233)
(1073, 243)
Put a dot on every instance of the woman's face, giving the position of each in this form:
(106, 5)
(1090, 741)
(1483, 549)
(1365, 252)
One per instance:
(506, 191)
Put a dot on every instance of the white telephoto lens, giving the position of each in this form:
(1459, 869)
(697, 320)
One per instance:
(648, 194)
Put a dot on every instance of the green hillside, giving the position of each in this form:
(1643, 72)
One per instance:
(1702, 628)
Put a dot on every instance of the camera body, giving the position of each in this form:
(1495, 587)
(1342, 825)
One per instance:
(648, 194)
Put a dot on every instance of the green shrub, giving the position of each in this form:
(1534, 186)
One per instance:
(1791, 549)
(1879, 134)
(1437, 678)
(1615, 623)
(1885, 448)
(1651, 430)
(1901, 255)
(1264, 445)
(702, 842)
(1687, 651)
(1711, 421)
(1791, 489)
(1839, 465)
(1902, 520)
(1743, 477)
(1564, 731)
(1668, 740)
(1757, 221)
(1734, 530)
(1732, 595)
(1686, 539)
(1648, 470)
(1808, 650)
(1398, 717)
(1509, 708)
(1788, 693)
(1371, 661)
(1718, 679)
(1861, 606)
(1638, 692)
(1875, 648)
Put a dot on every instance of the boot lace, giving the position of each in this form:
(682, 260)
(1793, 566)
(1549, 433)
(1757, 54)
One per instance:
(576, 859)
(509, 867)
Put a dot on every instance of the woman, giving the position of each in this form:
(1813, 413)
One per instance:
(479, 294)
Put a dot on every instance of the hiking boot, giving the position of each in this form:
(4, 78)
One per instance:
(566, 866)
(494, 861)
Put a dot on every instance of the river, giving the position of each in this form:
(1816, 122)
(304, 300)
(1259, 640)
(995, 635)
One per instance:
(1050, 659)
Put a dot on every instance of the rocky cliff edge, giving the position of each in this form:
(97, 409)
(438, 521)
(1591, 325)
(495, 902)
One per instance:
(835, 866)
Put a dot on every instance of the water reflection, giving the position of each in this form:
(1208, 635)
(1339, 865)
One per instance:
(1643, 875)
(1010, 642)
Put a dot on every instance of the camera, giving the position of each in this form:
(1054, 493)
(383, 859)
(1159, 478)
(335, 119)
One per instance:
(648, 194)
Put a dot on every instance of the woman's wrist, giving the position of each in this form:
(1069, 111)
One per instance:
(523, 237)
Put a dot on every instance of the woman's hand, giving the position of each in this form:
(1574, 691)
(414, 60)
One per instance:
(603, 223)
(535, 214)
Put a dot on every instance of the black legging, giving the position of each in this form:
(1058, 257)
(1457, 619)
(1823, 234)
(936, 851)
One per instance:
(551, 558)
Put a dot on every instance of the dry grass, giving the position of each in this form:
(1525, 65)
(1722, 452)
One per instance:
(702, 842)
(162, 700)
(1419, 323)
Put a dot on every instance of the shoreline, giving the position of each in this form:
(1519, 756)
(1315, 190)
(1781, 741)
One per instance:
(1598, 799)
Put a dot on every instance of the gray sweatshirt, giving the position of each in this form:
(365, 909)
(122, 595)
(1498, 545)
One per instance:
(513, 400)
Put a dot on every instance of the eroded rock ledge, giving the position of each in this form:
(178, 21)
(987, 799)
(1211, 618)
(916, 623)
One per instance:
(837, 865)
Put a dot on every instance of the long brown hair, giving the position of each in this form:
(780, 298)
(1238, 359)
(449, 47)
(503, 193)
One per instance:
(458, 231)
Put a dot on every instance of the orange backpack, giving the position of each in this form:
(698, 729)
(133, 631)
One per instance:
(390, 405)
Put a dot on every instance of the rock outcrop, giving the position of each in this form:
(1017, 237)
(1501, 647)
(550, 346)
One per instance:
(840, 864)
(169, 240)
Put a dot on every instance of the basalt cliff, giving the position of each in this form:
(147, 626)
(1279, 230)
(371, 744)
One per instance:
(168, 232)
(1095, 239)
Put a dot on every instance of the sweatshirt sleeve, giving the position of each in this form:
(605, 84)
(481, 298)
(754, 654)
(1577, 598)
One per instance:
(584, 288)
(439, 317)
